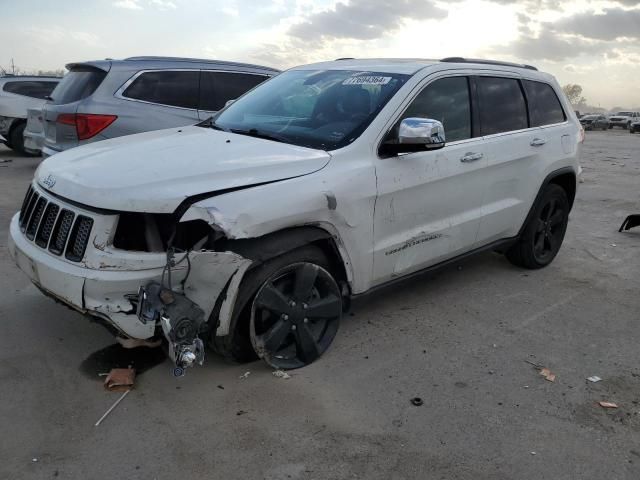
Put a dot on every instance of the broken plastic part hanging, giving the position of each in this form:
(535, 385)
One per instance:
(116, 356)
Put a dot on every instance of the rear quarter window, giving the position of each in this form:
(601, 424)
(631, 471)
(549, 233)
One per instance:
(167, 87)
(32, 88)
(544, 106)
(217, 88)
(502, 105)
(78, 84)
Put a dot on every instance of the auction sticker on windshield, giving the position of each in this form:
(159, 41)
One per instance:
(367, 80)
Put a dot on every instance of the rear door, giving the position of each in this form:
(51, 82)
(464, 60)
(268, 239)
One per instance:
(517, 140)
(79, 83)
(217, 88)
(429, 203)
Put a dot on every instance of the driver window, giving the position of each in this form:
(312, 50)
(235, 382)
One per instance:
(445, 100)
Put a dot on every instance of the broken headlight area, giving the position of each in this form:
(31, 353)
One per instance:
(156, 232)
(181, 320)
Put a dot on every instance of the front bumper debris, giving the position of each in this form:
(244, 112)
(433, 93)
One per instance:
(112, 293)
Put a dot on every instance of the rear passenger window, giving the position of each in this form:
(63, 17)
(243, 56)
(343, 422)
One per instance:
(217, 88)
(34, 89)
(502, 105)
(544, 106)
(173, 88)
(445, 100)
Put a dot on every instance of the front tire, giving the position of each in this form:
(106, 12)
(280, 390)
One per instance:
(543, 234)
(269, 314)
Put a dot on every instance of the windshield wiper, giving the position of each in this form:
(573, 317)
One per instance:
(210, 123)
(252, 132)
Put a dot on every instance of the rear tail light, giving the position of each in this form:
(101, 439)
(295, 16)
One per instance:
(87, 124)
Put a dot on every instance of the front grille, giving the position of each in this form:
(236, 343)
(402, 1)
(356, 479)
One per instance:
(54, 228)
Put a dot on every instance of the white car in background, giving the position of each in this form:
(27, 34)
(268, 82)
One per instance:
(17, 95)
(623, 119)
(253, 230)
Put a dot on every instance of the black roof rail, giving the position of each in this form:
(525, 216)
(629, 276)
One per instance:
(487, 62)
(344, 58)
(196, 60)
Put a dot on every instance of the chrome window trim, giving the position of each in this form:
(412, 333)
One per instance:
(120, 92)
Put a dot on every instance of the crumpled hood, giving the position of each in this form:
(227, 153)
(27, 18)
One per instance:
(156, 171)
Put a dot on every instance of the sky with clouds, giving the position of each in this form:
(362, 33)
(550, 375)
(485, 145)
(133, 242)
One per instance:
(593, 43)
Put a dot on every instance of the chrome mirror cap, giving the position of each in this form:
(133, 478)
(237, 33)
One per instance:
(421, 131)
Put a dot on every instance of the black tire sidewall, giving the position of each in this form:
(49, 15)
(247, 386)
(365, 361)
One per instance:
(237, 346)
(528, 235)
(16, 138)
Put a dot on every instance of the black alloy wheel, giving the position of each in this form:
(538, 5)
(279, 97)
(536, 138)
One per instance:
(295, 315)
(550, 230)
(543, 233)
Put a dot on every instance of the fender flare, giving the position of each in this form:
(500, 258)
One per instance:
(548, 180)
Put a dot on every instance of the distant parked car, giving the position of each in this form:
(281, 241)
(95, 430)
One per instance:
(634, 126)
(623, 119)
(34, 132)
(109, 98)
(594, 122)
(17, 95)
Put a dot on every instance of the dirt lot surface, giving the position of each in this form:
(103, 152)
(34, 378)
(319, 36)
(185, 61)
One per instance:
(458, 339)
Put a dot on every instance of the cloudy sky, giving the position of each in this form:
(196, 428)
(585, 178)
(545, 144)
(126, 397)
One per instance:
(593, 43)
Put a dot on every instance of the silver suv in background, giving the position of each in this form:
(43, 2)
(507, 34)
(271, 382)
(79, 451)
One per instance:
(110, 98)
(17, 95)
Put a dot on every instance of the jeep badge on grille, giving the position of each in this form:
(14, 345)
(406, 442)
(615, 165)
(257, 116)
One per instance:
(49, 181)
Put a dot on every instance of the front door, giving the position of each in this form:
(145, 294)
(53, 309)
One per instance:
(429, 203)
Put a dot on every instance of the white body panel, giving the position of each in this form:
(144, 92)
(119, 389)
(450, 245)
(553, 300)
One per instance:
(388, 216)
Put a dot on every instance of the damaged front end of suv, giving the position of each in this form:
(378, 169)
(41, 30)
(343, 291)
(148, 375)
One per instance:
(145, 276)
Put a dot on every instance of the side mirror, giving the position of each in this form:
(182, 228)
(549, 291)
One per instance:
(416, 135)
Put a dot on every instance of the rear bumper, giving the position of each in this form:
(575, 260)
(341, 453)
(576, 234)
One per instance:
(33, 142)
(48, 151)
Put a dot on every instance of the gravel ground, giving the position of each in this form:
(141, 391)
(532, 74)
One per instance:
(458, 339)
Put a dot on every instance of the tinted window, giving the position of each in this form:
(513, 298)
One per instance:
(174, 88)
(35, 89)
(446, 100)
(544, 106)
(79, 83)
(502, 105)
(217, 88)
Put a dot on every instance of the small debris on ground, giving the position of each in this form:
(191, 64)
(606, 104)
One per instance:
(115, 404)
(34, 460)
(614, 245)
(241, 412)
(281, 374)
(608, 404)
(220, 387)
(417, 401)
(6, 160)
(533, 453)
(244, 375)
(546, 373)
(120, 379)
(594, 379)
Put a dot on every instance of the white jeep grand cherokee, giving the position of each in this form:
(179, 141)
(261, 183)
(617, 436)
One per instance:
(252, 230)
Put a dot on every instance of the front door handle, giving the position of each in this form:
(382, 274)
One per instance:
(537, 142)
(471, 157)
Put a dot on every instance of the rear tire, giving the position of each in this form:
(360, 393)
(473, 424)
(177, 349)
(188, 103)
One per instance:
(16, 140)
(543, 234)
(237, 345)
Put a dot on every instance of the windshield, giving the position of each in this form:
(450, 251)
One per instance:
(322, 109)
(589, 117)
(624, 114)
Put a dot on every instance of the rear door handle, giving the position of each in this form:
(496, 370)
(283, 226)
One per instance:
(537, 142)
(471, 157)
